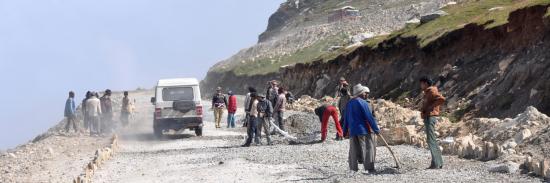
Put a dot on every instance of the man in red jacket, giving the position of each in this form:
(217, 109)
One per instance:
(231, 109)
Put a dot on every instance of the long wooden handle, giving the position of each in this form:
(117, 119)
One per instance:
(392, 154)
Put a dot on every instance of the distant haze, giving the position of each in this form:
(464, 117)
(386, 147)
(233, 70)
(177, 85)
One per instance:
(50, 47)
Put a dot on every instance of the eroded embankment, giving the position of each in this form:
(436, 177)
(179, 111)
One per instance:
(494, 72)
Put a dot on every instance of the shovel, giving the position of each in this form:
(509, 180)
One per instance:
(389, 148)
(392, 154)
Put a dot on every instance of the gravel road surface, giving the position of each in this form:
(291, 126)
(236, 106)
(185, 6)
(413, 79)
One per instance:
(218, 157)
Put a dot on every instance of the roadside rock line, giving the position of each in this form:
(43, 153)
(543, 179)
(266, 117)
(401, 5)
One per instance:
(101, 155)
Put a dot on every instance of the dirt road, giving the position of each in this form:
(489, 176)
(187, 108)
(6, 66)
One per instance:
(218, 157)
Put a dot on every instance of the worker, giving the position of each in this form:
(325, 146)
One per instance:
(361, 127)
(231, 109)
(265, 112)
(324, 112)
(219, 102)
(431, 102)
(70, 113)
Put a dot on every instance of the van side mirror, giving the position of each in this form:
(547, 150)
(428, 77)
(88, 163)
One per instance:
(153, 100)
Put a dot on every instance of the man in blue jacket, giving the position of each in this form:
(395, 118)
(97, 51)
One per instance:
(70, 112)
(361, 127)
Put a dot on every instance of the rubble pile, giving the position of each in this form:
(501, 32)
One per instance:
(524, 139)
(304, 104)
(306, 127)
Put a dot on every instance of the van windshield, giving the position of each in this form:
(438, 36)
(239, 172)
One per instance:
(177, 93)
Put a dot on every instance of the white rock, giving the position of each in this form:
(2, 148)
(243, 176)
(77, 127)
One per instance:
(496, 8)
(522, 135)
(12, 155)
(448, 140)
(413, 21)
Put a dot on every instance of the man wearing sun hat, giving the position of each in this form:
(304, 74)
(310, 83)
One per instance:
(361, 127)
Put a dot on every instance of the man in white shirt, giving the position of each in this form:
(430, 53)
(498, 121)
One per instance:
(93, 108)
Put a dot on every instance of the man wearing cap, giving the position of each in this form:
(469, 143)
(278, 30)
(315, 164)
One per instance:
(247, 104)
(429, 111)
(272, 91)
(107, 112)
(324, 112)
(219, 103)
(265, 112)
(231, 109)
(341, 84)
(361, 127)
(251, 131)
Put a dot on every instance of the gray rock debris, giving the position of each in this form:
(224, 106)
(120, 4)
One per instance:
(507, 167)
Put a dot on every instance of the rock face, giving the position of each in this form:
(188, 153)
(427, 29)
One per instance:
(487, 71)
(298, 25)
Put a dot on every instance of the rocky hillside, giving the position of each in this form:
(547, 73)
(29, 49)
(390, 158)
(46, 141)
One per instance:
(300, 31)
(489, 58)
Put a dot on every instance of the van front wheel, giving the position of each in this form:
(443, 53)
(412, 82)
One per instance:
(198, 131)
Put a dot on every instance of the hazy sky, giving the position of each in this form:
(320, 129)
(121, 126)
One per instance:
(48, 47)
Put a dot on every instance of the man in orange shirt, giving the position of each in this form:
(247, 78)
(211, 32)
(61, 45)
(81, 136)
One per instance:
(429, 111)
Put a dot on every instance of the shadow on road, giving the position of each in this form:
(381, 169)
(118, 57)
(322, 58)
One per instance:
(146, 137)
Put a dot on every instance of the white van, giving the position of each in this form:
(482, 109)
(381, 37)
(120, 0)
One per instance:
(177, 106)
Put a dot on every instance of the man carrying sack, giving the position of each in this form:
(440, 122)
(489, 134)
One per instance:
(361, 127)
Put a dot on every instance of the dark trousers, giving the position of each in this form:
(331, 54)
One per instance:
(252, 130)
(431, 139)
(71, 119)
(342, 124)
(362, 149)
(280, 122)
(106, 123)
(246, 119)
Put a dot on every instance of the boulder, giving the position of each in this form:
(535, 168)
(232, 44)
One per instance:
(432, 16)
(398, 135)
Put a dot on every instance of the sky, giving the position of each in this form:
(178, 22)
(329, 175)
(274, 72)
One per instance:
(50, 47)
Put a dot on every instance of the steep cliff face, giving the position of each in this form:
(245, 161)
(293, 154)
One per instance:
(494, 72)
